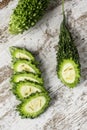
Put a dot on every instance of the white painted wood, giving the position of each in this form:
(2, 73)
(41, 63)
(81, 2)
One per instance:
(68, 109)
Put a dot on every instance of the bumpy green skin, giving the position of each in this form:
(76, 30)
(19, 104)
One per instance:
(26, 15)
(17, 87)
(15, 50)
(67, 51)
(23, 112)
(26, 77)
(21, 62)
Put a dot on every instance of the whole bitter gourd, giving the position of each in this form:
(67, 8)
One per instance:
(68, 68)
(26, 15)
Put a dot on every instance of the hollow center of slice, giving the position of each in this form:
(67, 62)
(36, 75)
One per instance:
(25, 67)
(68, 73)
(35, 104)
(22, 78)
(28, 90)
(22, 56)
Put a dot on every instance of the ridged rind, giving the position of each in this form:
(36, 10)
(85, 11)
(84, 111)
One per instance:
(77, 73)
(16, 88)
(67, 51)
(25, 114)
(26, 14)
(19, 62)
(16, 78)
(15, 50)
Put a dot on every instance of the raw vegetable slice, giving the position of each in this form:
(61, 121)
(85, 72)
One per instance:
(24, 65)
(25, 89)
(69, 72)
(19, 53)
(27, 84)
(26, 76)
(33, 106)
(68, 58)
(26, 14)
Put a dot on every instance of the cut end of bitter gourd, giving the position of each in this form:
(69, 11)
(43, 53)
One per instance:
(69, 73)
(26, 77)
(24, 65)
(19, 53)
(33, 106)
(25, 89)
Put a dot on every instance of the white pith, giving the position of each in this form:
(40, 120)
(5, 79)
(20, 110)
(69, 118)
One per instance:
(26, 78)
(28, 90)
(21, 55)
(35, 104)
(25, 67)
(68, 73)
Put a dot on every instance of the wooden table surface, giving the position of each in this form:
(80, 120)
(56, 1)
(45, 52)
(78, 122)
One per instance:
(68, 109)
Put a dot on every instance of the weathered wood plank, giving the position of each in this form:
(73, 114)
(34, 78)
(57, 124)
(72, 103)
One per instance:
(68, 109)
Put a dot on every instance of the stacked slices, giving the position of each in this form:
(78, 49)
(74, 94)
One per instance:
(27, 84)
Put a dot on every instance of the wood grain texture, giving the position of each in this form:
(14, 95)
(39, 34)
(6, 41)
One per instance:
(4, 3)
(68, 108)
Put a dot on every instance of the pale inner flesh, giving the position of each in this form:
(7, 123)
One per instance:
(25, 67)
(68, 73)
(28, 90)
(35, 104)
(21, 55)
(22, 78)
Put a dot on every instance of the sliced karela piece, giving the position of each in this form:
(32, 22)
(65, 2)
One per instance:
(19, 53)
(69, 72)
(25, 89)
(68, 58)
(24, 65)
(33, 106)
(26, 76)
(26, 15)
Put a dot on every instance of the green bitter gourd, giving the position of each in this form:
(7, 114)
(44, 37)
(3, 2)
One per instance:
(35, 99)
(23, 90)
(33, 106)
(68, 68)
(25, 66)
(26, 77)
(26, 15)
(18, 53)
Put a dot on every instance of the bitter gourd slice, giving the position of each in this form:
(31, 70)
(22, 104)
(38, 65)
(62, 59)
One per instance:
(68, 68)
(25, 89)
(26, 76)
(33, 106)
(26, 15)
(19, 53)
(24, 65)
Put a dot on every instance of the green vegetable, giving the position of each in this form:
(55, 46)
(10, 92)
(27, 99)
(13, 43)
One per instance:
(24, 65)
(26, 76)
(25, 89)
(26, 15)
(19, 53)
(27, 84)
(68, 68)
(33, 106)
